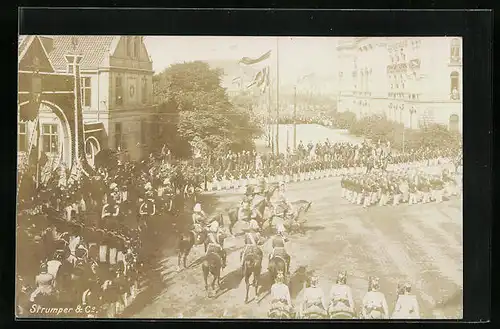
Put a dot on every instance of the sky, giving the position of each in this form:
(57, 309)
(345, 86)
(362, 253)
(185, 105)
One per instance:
(297, 55)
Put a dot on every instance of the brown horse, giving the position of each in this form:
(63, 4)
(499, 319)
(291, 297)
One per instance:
(212, 264)
(186, 242)
(277, 264)
(252, 265)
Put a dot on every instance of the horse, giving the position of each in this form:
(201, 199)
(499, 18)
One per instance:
(260, 207)
(276, 264)
(212, 264)
(252, 265)
(186, 242)
(301, 206)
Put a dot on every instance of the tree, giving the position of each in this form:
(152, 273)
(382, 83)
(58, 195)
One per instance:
(196, 108)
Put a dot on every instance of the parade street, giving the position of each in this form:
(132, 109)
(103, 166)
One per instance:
(420, 243)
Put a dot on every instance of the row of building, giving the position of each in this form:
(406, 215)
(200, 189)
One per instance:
(412, 80)
(116, 94)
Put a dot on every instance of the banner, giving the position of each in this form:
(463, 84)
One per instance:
(251, 61)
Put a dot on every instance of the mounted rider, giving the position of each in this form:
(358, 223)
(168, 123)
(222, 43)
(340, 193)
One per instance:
(341, 295)
(314, 299)
(245, 209)
(278, 245)
(280, 295)
(252, 238)
(374, 302)
(199, 219)
(407, 304)
(216, 239)
(283, 211)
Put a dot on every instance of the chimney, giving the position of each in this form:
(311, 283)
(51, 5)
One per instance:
(48, 43)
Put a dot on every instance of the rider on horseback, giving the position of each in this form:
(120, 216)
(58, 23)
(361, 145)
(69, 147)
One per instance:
(341, 295)
(216, 239)
(252, 238)
(278, 244)
(245, 209)
(314, 299)
(374, 302)
(198, 219)
(280, 294)
(407, 304)
(288, 207)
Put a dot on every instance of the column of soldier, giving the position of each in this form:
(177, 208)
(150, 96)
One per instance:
(311, 161)
(409, 183)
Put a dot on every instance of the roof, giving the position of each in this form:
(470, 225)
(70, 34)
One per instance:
(23, 41)
(93, 48)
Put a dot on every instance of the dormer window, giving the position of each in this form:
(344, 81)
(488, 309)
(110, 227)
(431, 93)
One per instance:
(70, 69)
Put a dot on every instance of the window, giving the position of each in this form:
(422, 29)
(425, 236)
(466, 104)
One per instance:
(119, 91)
(119, 140)
(143, 131)
(454, 85)
(50, 138)
(455, 50)
(144, 91)
(22, 140)
(70, 69)
(86, 92)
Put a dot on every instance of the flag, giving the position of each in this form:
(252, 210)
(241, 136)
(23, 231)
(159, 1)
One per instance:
(260, 78)
(251, 61)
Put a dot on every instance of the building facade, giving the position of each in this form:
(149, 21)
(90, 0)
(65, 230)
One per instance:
(116, 92)
(411, 80)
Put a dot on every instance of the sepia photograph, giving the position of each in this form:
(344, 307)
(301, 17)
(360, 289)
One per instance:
(239, 177)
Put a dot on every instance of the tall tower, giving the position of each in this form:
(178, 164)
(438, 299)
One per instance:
(79, 162)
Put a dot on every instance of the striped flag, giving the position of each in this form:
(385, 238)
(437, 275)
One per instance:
(261, 78)
(252, 61)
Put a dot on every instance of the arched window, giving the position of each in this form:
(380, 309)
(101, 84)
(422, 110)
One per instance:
(454, 85)
(455, 50)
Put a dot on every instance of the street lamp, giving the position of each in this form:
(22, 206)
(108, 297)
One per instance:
(412, 112)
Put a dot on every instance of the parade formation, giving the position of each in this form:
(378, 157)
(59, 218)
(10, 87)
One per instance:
(196, 221)
(88, 233)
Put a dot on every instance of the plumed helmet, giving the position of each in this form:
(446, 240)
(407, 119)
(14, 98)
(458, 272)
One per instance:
(280, 277)
(313, 278)
(197, 207)
(342, 277)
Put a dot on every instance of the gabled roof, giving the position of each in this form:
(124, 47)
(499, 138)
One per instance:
(24, 44)
(93, 48)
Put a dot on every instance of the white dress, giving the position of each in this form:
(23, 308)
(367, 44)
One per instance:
(375, 305)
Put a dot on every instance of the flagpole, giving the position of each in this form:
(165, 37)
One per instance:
(277, 97)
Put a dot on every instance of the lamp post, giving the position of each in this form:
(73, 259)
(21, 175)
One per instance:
(412, 112)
